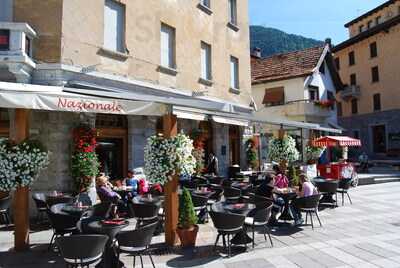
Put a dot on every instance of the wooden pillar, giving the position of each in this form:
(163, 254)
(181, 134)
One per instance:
(21, 196)
(171, 204)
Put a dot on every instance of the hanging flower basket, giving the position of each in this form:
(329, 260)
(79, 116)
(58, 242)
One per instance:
(283, 150)
(325, 104)
(165, 158)
(21, 163)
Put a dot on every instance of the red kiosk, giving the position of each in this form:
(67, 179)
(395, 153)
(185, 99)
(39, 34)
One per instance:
(337, 170)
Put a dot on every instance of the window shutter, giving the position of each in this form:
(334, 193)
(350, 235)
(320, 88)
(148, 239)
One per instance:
(274, 96)
(114, 26)
(205, 61)
(234, 73)
(167, 46)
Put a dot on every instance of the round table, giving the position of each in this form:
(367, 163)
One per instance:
(207, 193)
(244, 210)
(287, 198)
(147, 200)
(73, 209)
(110, 258)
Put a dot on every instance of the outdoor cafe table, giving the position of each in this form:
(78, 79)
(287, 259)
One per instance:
(287, 197)
(110, 258)
(205, 193)
(230, 208)
(74, 209)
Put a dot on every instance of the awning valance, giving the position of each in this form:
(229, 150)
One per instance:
(333, 141)
(230, 121)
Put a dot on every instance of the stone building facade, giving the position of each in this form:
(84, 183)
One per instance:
(67, 42)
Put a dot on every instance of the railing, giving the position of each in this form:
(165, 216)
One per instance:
(16, 39)
(352, 91)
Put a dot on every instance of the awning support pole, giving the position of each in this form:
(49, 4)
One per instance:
(21, 197)
(171, 204)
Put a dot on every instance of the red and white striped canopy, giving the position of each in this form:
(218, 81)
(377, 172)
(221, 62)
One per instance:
(333, 141)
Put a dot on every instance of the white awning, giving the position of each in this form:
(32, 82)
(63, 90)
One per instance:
(187, 114)
(37, 97)
(230, 121)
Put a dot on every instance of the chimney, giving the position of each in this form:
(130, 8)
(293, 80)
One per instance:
(256, 53)
(328, 41)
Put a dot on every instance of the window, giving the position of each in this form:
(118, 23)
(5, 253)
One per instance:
(373, 50)
(377, 102)
(205, 61)
(356, 134)
(339, 109)
(354, 106)
(114, 26)
(274, 96)
(234, 62)
(205, 3)
(337, 63)
(375, 74)
(232, 12)
(353, 79)
(352, 58)
(369, 24)
(4, 39)
(313, 94)
(378, 20)
(28, 46)
(361, 28)
(168, 46)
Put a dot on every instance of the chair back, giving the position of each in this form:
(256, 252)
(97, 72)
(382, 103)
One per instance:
(101, 210)
(344, 184)
(199, 201)
(84, 198)
(5, 203)
(309, 202)
(262, 212)
(327, 186)
(138, 238)
(217, 193)
(226, 221)
(40, 200)
(80, 247)
(215, 180)
(61, 221)
(190, 184)
(144, 210)
(231, 193)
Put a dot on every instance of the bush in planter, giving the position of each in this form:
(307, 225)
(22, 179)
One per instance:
(283, 150)
(187, 228)
(251, 154)
(313, 153)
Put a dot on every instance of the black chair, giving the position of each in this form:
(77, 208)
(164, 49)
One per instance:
(189, 184)
(61, 223)
(343, 188)
(41, 205)
(216, 196)
(232, 194)
(227, 225)
(309, 205)
(215, 180)
(81, 250)
(328, 188)
(259, 217)
(144, 212)
(5, 204)
(84, 199)
(137, 242)
(200, 205)
(99, 211)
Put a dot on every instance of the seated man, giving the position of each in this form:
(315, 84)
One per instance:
(307, 189)
(132, 181)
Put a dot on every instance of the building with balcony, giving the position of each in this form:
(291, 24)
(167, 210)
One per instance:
(299, 85)
(154, 52)
(369, 105)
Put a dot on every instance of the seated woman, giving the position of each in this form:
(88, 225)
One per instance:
(307, 189)
(281, 181)
(105, 190)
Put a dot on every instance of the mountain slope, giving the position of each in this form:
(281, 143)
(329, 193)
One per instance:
(273, 41)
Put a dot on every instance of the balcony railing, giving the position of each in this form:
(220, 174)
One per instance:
(352, 91)
(304, 108)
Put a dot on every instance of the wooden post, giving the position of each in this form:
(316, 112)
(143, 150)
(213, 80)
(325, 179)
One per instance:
(171, 204)
(21, 197)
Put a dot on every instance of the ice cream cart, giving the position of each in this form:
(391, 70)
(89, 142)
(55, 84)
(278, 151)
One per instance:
(342, 169)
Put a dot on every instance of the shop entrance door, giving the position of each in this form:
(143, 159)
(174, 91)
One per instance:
(234, 145)
(379, 138)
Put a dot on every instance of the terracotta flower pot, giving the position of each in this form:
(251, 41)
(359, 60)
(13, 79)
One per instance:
(188, 236)
(4, 194)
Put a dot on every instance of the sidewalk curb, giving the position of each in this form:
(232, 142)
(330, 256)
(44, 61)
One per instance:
(378, 179)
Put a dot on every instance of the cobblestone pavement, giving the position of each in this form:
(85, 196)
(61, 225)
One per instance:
(365, 234)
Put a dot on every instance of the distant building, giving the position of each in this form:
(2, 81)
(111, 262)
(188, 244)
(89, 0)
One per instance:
(368, 61)
(299, 86)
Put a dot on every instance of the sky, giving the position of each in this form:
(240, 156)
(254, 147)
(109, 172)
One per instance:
(318, 19)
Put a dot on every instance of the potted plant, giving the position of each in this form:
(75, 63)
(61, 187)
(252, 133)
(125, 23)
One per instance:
(251, 154)
(283, 150)
(187, 225)
(85, 163)
(20, 164)
(313, 153)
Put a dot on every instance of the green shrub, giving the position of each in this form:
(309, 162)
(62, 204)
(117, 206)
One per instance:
(187, 215)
